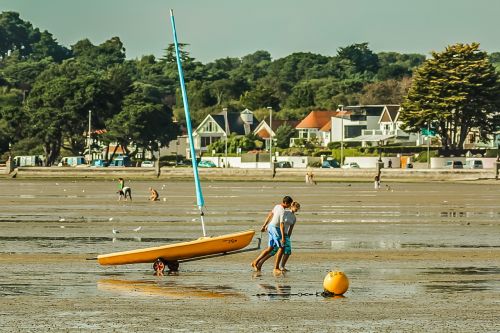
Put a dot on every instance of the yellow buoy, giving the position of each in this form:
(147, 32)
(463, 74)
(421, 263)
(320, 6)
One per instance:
(336, 282)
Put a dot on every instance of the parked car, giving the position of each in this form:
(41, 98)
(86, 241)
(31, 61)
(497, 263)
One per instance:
(97, 163)
(454, 165)
(120, 161)
(72, 161)
(330, 164)
(283, 164)
(147, 164)
(351, 165)
(206, 164)
(474, 164)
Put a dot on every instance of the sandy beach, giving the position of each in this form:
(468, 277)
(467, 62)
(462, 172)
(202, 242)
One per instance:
(419, 257)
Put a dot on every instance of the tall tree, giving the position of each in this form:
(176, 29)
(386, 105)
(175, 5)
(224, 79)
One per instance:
(145, 121)
(456, 90)
(283, 135)
(385, 92)
(363, 59)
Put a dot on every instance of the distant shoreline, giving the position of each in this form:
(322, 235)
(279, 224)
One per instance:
(236, 174)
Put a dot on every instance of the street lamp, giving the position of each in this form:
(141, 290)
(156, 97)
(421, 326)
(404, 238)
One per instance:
(225, 131)
(90, 124)
(428, 145)
(341, 135)
(270, 136)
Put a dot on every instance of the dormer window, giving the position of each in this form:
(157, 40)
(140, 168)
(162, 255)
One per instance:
(211, 127)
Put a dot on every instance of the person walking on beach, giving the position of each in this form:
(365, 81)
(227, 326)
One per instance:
(376, 183)
(289, 220)
(123, 191)
(276, 233)
(153, 194)
(310, 178)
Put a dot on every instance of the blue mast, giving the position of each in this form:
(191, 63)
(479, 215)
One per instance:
(199, 195)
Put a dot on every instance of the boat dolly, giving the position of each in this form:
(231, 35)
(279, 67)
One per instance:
(173, 265)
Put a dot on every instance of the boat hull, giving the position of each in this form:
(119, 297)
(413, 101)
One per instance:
(200, 247)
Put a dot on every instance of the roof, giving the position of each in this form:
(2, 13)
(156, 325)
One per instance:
(343, 114)
(234, 123)
(368, 110)
(316, 119)
(327, 127)
(393, 111)
(263, 127)
(390, 114)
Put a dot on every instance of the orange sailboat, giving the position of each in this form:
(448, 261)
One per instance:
(170, 255)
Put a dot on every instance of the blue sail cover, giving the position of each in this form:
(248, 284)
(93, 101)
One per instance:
(199, 195)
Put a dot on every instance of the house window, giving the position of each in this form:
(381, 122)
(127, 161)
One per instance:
(211, 127)
(207, 140)
(352, 131)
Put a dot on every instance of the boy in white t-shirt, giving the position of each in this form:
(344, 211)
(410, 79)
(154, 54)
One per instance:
(275, 228)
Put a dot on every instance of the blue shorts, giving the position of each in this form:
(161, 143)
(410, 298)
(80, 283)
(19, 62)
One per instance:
(274, 234)
(287, 249)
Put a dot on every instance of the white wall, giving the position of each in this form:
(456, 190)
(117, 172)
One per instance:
(439, 162)
(371, 161)
(235, 162)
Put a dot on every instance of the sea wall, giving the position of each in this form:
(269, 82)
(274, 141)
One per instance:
(185, 173)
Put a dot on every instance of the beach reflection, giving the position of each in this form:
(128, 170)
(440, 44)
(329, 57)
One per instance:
(164, 288)
(278, 291)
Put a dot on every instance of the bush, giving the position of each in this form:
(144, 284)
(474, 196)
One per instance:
(422, 156)
(318, 153)
(491, 153)
(314, 164)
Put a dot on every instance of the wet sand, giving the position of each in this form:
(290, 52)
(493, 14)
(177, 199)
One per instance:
(419, 257)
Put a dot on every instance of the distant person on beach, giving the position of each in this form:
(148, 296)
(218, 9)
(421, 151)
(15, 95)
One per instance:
(153, 194)
(123, 191)
(274, 225)
(376, 183)
(310, 178)
(289, 220)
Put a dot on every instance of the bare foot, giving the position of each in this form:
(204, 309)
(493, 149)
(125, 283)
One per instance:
(277, 272)
(254, 266)
(283, 269)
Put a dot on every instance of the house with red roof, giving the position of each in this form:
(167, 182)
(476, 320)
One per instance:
(266, 131)
(312, 128)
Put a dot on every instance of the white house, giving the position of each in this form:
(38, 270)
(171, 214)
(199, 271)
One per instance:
(217, 126)
(382, 126)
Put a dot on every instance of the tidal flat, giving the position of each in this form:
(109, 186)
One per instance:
(419, 257)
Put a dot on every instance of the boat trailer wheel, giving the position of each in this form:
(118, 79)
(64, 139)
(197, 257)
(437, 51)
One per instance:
(159, 266)
(173, 266)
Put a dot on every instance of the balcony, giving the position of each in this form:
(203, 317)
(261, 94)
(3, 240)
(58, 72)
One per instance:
(396, 133)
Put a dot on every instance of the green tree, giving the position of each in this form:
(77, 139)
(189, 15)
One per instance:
(13, 120)
(145, 121)
(456, 90)
(363, 59)
(61, 97)
(283, 135)
(260, 97)
(14, 34)
(385, 92)
(102, 56)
